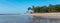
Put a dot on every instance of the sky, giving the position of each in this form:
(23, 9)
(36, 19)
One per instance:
(20, 6)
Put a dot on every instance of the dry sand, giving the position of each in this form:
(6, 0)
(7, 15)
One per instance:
(45, 15)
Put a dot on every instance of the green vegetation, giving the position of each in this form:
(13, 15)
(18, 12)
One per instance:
(45, 9)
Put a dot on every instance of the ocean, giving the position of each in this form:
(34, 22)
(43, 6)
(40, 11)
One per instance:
(25, 19)
(14, 19)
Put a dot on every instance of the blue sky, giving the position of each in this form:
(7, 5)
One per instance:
(20, 6)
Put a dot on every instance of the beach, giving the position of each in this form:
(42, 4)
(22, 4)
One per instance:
(46, 15)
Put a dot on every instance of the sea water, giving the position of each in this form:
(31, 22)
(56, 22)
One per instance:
(24, 19)
(14, 19)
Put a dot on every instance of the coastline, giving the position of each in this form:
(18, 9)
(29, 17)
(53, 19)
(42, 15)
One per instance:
(45, 15)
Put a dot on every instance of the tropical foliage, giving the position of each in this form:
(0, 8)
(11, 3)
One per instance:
(45, 9)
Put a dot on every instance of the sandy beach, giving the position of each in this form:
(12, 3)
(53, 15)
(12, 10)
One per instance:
(45, 15)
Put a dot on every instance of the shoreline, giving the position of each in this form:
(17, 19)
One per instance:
(45, 15)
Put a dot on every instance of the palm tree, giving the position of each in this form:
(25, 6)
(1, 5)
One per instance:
(50, 8)
(29, 8)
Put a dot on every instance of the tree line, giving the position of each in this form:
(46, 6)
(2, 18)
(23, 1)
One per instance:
(45, 9)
